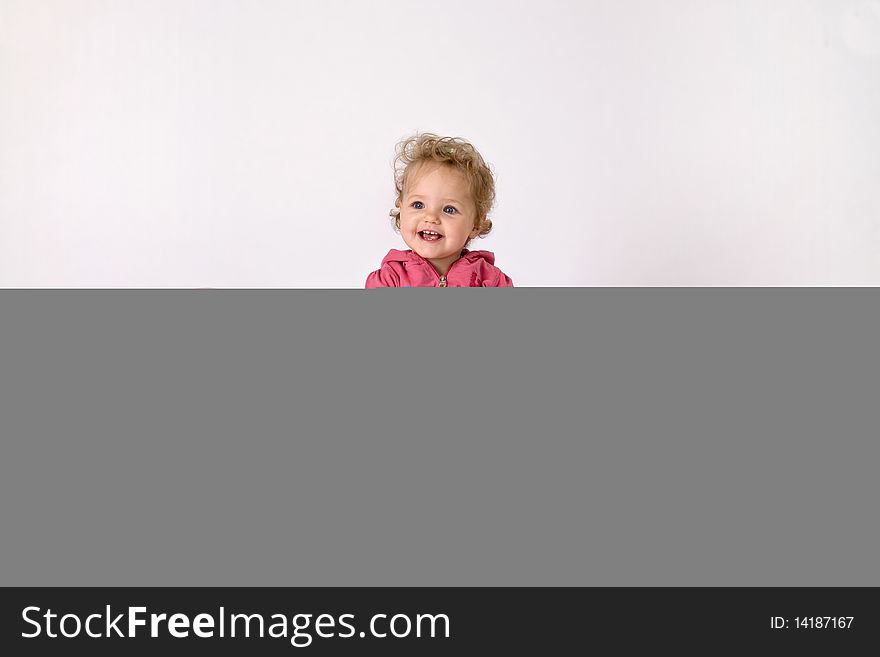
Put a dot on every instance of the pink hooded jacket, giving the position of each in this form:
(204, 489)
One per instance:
(409, 269)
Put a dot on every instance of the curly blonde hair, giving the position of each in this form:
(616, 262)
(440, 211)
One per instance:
(412, 152)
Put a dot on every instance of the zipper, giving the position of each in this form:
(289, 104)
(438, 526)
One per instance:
(443, 277)
(442, 282)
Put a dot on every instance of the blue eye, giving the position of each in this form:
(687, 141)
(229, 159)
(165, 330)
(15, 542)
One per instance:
(449, 207)
(417, 203)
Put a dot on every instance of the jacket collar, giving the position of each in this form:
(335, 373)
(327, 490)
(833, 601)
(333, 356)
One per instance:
(409, 256)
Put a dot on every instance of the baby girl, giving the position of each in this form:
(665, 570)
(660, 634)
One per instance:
(444, 193)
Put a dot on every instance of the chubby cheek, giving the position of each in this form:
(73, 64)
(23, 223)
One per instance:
(408, 224)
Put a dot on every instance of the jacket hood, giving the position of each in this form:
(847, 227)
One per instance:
(395, 255)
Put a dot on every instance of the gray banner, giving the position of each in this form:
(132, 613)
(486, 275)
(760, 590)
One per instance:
(621, 437)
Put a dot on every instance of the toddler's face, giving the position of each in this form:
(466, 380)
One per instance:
(438, 214)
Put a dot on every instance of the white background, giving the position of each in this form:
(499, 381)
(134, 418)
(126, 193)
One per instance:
(233, 143)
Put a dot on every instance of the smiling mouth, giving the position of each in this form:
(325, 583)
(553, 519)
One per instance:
(430, 235)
